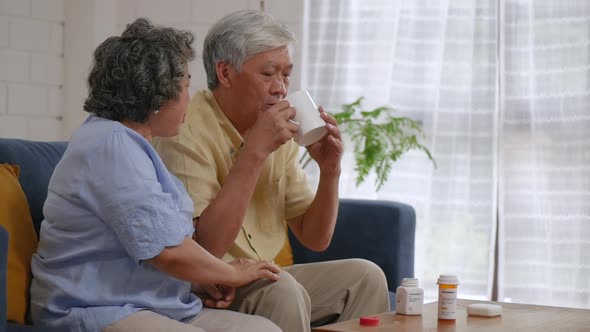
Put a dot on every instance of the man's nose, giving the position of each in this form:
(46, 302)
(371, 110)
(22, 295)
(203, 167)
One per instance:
(280, 88)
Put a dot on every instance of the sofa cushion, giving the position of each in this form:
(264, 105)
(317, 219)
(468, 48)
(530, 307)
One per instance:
(36, 161)
(16, 219)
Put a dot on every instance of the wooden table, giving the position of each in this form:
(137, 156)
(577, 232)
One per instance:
(515, 317)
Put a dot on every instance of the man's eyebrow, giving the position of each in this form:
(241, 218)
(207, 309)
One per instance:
(274, 64)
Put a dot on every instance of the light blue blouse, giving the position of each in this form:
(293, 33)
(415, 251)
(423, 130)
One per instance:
(111, 205)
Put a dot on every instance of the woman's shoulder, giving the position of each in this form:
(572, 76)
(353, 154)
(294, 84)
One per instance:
(103, 141)
(98, 132)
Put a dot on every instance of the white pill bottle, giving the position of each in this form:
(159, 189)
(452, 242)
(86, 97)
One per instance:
(447, 296)
(409, 297)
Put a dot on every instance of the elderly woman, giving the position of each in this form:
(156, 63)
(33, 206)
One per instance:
(116, 250)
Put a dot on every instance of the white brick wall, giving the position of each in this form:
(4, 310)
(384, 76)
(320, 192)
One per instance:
(14, 66)
(40, 129)
(31, 69)
(3, 31)
(27, 99)
(47, 69)
(287, 11)
(57, 34)
(207, 12)
(55, 102)
(52, 10)
(177, 12)
(29, 34)
(2, 98)
(13, 126)
(15, 7)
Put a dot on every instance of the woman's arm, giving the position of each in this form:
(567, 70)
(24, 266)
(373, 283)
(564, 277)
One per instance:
(189, 261)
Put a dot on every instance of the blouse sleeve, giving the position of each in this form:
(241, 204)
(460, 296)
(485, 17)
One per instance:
(123, 188)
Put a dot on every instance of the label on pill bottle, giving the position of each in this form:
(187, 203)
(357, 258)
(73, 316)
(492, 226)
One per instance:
(447, 303)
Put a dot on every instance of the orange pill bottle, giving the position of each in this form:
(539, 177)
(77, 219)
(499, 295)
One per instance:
(447, 296)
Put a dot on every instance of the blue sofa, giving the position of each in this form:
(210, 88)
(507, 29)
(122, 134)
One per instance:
(380, 231)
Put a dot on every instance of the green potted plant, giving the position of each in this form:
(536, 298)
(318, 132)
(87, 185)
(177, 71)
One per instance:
(379, 139)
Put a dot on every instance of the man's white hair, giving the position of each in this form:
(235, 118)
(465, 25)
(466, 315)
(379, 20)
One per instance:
(239, 35)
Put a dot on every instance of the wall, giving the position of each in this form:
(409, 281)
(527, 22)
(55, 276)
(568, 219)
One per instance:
(31, 68)
(41, 98)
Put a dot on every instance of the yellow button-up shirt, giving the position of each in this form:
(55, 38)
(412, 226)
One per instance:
(202, 155)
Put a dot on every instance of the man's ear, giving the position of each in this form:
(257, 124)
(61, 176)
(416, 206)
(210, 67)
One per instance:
(224, 72)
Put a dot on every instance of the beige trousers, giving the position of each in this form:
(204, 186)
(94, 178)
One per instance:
(316, 293)
(208, 320)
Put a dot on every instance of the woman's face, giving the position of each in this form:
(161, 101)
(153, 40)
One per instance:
(167, 122)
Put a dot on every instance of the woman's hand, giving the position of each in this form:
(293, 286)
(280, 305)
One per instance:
(215, 296)
(247, 270)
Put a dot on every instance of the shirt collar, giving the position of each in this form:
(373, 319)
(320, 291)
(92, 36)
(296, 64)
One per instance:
(237, 142)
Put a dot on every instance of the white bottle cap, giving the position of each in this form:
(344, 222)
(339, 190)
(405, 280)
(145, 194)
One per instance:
(447, 279)
(410, 282)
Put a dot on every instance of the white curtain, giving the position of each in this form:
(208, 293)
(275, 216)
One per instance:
(545, 152)
(505, 105)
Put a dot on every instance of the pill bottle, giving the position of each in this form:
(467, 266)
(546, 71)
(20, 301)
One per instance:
(447, 297)
(409, 297)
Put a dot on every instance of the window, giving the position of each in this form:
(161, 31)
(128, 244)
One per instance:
(502, 91)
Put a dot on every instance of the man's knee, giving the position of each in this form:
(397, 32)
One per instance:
(369, 271)
(285, 302)
(370, 289)
(283, 294)
(285, 288)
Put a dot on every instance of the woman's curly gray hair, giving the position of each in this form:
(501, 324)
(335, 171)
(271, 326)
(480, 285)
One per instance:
(134, 74)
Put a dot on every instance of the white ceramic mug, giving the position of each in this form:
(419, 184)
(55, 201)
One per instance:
(311, 126)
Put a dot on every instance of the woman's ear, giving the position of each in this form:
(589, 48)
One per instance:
(224, 70)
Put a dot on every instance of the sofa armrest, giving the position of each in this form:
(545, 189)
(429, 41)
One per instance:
(37, 161)
(12, 327)
(380, 231)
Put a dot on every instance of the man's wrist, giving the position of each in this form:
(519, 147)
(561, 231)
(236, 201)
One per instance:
(253, 155)
(332, 172)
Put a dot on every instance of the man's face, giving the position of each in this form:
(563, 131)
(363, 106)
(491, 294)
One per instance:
(262, 81)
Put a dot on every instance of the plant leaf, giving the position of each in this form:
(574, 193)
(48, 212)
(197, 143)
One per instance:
(379, 139)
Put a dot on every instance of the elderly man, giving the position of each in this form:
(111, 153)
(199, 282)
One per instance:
(236, 155)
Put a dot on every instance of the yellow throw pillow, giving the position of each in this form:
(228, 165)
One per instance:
(22, 242)
(285, 256)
